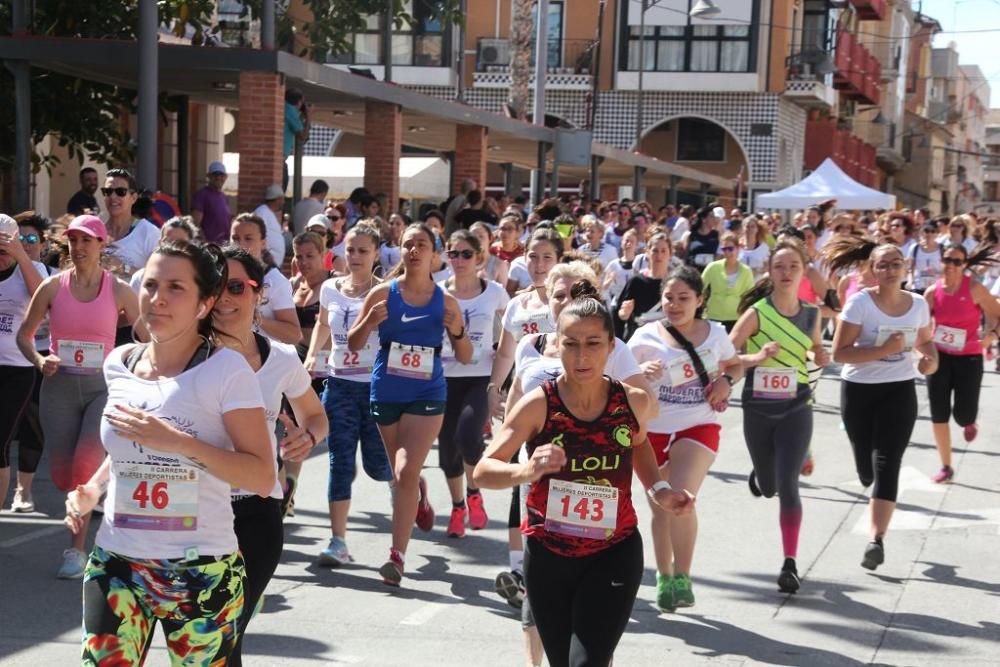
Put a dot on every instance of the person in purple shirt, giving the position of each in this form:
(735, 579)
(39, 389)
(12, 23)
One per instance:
(210, 208)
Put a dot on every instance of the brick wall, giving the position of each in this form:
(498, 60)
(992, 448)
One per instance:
(383, 143)
(261, 138)
(470, 156)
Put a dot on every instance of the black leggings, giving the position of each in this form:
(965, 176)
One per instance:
(582, 604)
(16, 385)
(259, 531)
(879, 420)
(778, 442)
(461, 438)
(30, 438)
(961, 374)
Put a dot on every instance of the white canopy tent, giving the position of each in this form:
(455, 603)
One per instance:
(828, 182)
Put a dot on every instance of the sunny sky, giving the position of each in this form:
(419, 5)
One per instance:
(978, 46)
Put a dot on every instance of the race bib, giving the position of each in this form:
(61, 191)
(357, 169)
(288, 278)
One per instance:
(703, 259)
(536, 322)
(359, 362)
(950, 338)
(412, 361)
(681, 370)
(322, 365)
(581, 510)
(156, 497)
(774, 383)
(448, 351)
(886, 330)
(80, 357)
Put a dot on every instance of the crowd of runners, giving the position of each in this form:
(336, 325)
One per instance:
(177, 386)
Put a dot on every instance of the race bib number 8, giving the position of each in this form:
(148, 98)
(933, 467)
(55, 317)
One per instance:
(581, 510)
(412, 361)
(359, 362)
(80, 357)
(153, 497)
(681, 370)
(774, 383)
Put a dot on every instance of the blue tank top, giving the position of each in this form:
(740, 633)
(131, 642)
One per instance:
(410, 325)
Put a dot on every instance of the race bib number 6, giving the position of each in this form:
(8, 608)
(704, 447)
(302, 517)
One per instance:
(581, 510)
(154, 497)
(412, 361)
(80, 357)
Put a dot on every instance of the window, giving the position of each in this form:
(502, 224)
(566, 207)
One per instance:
(555, 32)
(700, 141)
(423, 44)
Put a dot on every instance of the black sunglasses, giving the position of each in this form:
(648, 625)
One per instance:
(237, 287)
(954, 261)
(29, 238)
(464, 254)
(121, 192)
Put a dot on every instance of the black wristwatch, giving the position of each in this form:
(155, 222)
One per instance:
(728, 378)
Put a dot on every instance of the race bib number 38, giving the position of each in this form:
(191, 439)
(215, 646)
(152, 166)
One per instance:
(154, 497)
(80, 357)
(412, 361)
(581, 510)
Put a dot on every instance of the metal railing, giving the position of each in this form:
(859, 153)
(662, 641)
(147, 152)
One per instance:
(565, 56)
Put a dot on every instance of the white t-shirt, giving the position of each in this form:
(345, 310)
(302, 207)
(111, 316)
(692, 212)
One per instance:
(906, 249)
(860, 309)
(520, 320)
(277, 294)
(135, 282)
(282, 374)
(519, 272)
(534, 368)
(134, 249)
(479, 314)
(680, 229)
(679, 389)
(275, 238)
(14, 300)
(388, 256)
(341, 311)
(605, 253)
(995, 290)
(927, 267)
(161, 505)
(445, 273)
(618, 275)
(756, 258)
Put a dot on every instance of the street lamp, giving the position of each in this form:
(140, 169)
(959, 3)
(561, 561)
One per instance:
(704, 9)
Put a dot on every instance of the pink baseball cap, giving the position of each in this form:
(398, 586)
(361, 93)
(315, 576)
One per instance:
(90, 225)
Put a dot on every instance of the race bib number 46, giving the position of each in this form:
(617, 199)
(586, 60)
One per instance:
(581, 510)
(412, 361)
(80, 357)
(154, 497)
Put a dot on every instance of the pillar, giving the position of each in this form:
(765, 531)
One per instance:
(470, 156)
(383, 144)
(261, 142)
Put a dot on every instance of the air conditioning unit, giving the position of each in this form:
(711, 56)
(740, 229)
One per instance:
(493, 53)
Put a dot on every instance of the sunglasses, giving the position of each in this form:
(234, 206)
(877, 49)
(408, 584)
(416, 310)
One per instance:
(333, 218)
(953, 261)
(29, 238)
(464, 254)
(727, 248)
(121, 192)
(237, 287)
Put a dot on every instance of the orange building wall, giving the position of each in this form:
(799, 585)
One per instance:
(781, 40)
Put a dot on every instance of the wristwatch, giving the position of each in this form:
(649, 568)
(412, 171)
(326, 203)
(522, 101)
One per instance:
(659, 485)
(728, 378)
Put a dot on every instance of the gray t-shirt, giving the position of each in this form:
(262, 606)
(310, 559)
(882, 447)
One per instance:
(304, 210)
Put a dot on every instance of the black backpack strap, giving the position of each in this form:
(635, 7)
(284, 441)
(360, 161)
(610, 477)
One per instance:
(540, 343)
(134, 355)
(699, 367)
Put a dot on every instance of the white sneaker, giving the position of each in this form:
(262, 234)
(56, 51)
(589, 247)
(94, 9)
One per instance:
(20, 504)
(74, 562)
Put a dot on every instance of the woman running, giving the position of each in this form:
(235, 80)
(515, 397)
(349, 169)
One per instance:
(957, 303)
(584, 437)
(778, 332)
(754, 250)
(280, 374)
(491, 267)
(726, 281)
(701, 243)
(924, 262)
(82, 304)
(617, 273)
(19, 279)
(185, 424)
(460, 443)
(639, 301)
(277, 311)
(347, 395)
(878, 397)
(408, 389)
(179, 228)
(692, 366)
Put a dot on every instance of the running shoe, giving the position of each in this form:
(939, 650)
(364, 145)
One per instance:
(74, 561)
(477, 513)
(874, 555)
(752, 483)
(392, 570)
(943, 475)
(288, 499)
(22, 503)
(665, 592)
(335, 554)
(683, 596)
(425, 513)
(788, 580)
(510, 586)
(970, 432)
(808, 465)
(456, 525)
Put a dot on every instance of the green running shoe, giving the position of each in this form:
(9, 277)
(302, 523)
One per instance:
(664, 592)
(683, 597)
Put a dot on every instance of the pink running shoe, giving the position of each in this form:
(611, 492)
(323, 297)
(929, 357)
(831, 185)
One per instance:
(392, 570)
(456, 525)
(425, 513)
(477, 513)
(970, 432)
(943, 475)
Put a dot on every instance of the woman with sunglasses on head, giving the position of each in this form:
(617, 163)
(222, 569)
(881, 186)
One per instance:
(777, 333)
(83, 305)
(692, 366)
(460, 442)
(185, 424)
(347, 393)
(583, 560)
(408, 389)
(280, 374)
(726, 281)
(958, 304)
(179, 228)
(277, 311)
(879, 326)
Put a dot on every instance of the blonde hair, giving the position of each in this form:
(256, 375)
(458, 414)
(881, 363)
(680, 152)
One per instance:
(574, 271)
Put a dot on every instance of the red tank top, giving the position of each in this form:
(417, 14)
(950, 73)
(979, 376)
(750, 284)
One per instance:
(598, 453)
(956, 311)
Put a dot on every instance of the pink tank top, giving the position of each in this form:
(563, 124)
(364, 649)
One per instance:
(853, 286)
(806, 291)
(959, 312)
(92, 321)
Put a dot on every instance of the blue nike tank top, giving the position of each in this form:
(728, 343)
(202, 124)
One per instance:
(410, 325)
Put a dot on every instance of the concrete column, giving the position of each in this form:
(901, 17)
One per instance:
(148, 117)
(261, 130)
(383, 145)
(470, 156)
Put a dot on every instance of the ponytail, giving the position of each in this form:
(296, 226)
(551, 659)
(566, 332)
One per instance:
(842, 253)
(762, 289)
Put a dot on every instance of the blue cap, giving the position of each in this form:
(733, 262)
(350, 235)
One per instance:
(217, 168)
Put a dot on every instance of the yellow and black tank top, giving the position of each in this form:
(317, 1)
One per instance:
(793, 334)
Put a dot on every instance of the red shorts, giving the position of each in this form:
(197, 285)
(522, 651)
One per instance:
(706, 435)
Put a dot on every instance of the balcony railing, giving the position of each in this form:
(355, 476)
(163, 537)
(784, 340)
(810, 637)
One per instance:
(858, 72)
(869, 10)
(824, 139)
(570, 64)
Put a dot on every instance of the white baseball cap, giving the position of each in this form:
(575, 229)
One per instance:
(274, 191)
(719, 212)
(319, 220)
